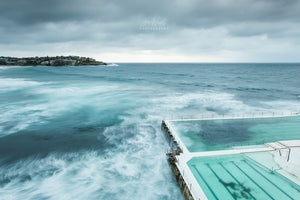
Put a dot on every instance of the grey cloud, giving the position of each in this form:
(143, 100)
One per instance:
(191, 26)
(274, 30)
(178, 12)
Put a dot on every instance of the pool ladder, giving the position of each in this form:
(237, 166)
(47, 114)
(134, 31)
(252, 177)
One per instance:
(278, 146)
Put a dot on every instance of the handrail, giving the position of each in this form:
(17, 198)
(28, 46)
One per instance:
(245, 116)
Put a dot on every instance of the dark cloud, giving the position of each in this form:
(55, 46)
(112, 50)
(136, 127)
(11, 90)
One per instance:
(192, 26)
(189, 12)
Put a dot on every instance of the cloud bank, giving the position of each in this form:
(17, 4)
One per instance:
(153, 31)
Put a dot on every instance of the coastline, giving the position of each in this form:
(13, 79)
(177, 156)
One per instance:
(53, 65)
(49, 61)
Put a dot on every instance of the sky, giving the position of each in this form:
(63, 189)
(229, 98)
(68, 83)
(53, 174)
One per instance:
(153, 30)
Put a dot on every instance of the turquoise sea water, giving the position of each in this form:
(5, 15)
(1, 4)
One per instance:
(93, 132)
(222, 134)
(241, 177)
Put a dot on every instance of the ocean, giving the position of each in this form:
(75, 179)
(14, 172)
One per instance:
(93, 132)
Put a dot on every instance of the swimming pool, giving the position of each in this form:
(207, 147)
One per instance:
(240, 176)
(222, 134)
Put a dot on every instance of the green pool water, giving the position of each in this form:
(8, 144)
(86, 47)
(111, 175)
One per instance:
(222, 134)
(242, 177)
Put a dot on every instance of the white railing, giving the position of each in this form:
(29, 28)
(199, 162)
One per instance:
(206, 116)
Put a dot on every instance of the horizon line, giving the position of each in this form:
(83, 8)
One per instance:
(206, 62)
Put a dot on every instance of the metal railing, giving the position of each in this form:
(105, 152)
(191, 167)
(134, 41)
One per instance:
(203, 116)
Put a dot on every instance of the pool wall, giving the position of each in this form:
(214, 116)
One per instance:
(180, 180)
(178, 162)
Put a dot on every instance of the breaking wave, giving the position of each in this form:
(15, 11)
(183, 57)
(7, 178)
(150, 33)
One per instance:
(112, 65)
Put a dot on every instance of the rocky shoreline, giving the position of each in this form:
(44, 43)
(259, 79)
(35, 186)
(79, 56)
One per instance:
(49, 61)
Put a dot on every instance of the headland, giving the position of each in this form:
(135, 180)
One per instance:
(49, 61)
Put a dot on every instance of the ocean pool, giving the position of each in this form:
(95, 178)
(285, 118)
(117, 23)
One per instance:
(222, 134)
(240, 176)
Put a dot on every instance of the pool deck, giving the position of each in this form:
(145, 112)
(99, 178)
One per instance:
(286, 154)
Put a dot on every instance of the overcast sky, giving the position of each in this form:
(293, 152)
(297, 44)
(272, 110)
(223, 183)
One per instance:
(153, 30)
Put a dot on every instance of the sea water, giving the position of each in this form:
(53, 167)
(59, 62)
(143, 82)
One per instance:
(93, 132)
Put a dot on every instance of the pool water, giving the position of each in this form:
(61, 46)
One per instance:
(222, 134)
(241, 177)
